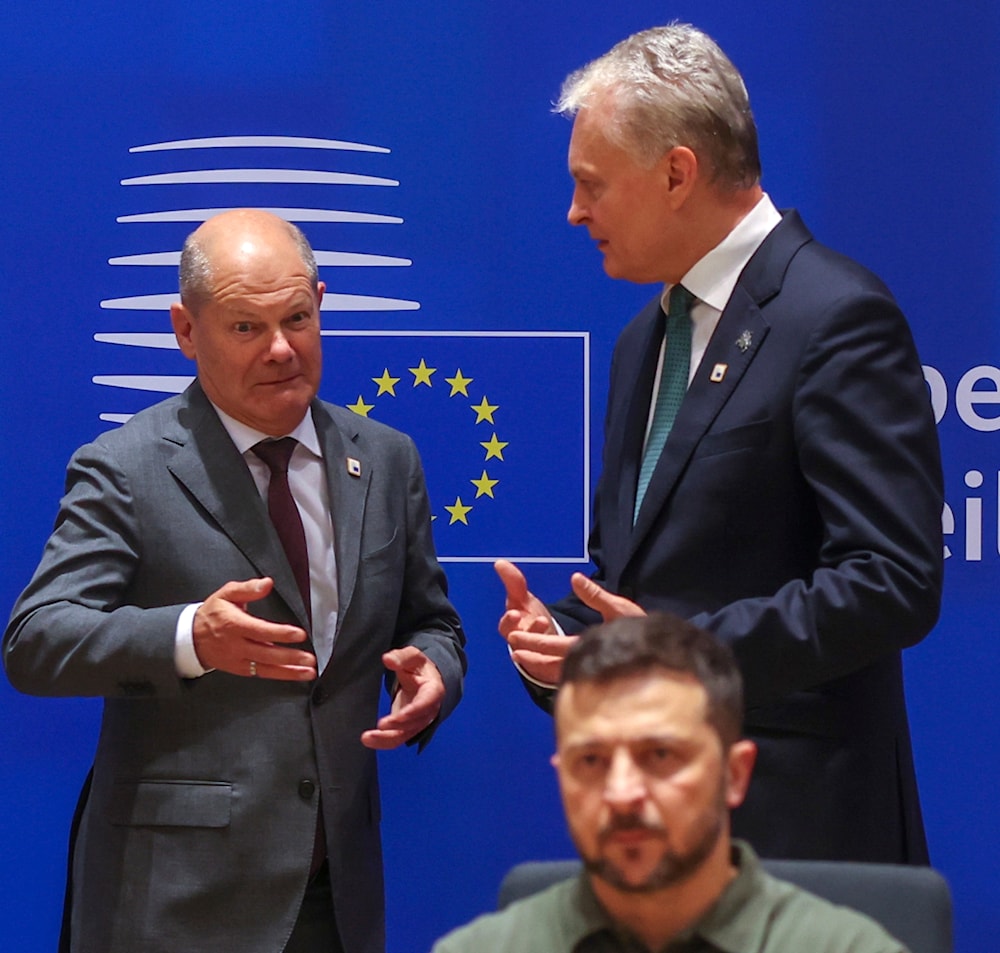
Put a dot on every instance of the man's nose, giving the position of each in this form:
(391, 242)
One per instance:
(280, 349)
(625, 782)
(577, 214)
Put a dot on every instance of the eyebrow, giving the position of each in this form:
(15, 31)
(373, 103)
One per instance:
(609, 742)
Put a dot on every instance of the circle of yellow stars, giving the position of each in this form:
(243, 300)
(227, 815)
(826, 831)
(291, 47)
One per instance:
(494, 447)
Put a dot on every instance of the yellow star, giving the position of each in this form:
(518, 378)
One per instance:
(360, 407)
(494, 447)
(459, 384)
(458, 512)
(386, 384)
(422, 373)
(484, 411)
(484, 486)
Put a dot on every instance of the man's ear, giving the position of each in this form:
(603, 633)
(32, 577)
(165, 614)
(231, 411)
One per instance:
(182, 322)
(679, 168)
(739, 768)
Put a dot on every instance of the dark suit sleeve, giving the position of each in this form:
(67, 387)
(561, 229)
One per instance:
(868, 450)
(426, 618)
(70, 632)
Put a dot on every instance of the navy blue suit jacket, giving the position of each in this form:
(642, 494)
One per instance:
(795, 512)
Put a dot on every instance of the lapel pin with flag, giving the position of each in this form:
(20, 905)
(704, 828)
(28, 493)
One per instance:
(353, 467)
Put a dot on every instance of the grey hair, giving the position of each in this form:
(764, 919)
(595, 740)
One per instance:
(672, 86)
(196, 272)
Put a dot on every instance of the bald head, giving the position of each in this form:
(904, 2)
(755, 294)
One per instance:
(235, 238)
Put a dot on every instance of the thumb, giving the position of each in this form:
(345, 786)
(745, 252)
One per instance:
(600, 600)
(514, 582)
(406, 659)
(249, 590)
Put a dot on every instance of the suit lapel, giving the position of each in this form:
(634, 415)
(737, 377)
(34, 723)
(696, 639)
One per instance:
(213, 471)
(630, 436)
(736, 341)
(348, 475)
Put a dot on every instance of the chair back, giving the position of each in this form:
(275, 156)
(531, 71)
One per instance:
(912, 903)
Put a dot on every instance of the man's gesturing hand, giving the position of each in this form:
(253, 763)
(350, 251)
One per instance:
(229, 639)
(536, 645)
(416, 703)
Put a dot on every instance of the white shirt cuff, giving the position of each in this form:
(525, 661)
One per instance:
(185, 657)
(526, 676)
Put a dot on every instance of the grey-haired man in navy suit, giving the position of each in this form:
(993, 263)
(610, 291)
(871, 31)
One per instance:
(795, 507)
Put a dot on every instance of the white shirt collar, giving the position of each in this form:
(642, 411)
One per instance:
(246, 437)
(713, 277)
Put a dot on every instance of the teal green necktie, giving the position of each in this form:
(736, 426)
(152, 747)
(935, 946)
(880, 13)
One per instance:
(673, 385)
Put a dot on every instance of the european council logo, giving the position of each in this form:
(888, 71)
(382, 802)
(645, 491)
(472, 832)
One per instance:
(500, 417)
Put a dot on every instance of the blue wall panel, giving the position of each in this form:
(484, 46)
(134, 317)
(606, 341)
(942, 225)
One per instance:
(879, 122)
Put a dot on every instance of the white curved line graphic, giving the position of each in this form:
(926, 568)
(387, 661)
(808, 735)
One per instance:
(258, 175)
(160, 302)
(156, 258)
(348, 259)
(165, 342)
(266, 142)
(335, 259)
(344, 302)
(289, 214)
(331, 302)
(159, 384)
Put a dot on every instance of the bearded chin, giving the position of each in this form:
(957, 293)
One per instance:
(673, 868)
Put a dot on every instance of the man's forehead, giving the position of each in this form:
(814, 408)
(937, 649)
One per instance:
(586, 130)
(253, 270)
(244, 299)
(652, 703)
(239, 236)
(590, 150)
(625, 736)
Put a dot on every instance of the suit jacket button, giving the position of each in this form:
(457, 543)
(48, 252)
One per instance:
(307, 789)
(319, 695)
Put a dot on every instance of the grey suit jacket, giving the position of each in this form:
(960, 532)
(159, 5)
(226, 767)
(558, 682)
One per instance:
(198, 827)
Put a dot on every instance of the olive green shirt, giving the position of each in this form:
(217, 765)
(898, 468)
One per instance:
(756, 913)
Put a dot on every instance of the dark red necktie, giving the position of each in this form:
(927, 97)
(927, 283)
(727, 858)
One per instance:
(284, 513)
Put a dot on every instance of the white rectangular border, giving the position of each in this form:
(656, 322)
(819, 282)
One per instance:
(584, 336)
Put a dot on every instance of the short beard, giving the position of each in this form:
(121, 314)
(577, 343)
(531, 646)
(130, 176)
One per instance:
(673, 868)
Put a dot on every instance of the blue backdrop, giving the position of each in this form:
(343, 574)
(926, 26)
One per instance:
(464, 309)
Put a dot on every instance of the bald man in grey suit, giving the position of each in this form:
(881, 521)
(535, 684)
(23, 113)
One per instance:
(233, 802)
